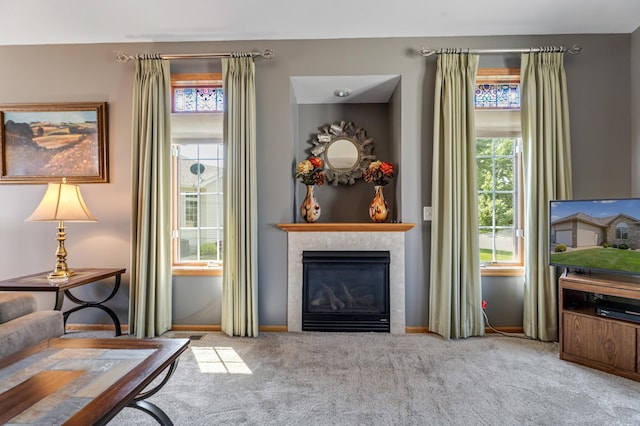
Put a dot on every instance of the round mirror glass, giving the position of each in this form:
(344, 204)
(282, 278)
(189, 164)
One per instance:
(342, 154)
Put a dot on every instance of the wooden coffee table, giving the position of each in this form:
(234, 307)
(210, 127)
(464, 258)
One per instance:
(75, 381)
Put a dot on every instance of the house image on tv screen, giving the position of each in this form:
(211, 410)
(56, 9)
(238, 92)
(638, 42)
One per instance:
(581, 230)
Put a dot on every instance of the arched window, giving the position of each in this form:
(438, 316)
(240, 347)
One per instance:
(622, 231)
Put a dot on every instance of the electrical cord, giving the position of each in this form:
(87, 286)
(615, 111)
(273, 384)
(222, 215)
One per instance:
(519, 336)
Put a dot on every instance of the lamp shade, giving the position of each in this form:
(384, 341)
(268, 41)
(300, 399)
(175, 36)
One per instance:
(62, 202)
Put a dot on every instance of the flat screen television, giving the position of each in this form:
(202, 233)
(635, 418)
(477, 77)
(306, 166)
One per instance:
(595, 235)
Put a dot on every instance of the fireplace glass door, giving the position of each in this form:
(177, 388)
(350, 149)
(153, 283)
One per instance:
(345, 291)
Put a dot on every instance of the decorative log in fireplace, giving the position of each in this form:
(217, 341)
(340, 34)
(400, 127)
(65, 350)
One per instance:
(345, 291)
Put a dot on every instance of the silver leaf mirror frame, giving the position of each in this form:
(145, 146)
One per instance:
(345, 150)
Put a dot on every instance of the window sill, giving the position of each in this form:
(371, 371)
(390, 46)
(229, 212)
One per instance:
(502, 271)
(214, 271)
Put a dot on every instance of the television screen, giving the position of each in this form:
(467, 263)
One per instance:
(595, 235)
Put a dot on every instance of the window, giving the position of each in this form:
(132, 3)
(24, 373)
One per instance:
(197, 174)
(497, 165)
(622, 231)
(499, 169)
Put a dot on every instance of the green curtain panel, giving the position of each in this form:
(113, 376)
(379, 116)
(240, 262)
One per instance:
(455, 302)
(150, 277)
(547, 170)
(240, 278)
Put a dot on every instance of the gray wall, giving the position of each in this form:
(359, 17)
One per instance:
(600, 101)
(635, 112)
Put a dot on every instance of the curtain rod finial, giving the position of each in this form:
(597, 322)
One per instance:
(576, 49)
(425, 51)
(123, 57)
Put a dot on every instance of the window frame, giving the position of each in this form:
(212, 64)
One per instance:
(188, 268)
(496, 76)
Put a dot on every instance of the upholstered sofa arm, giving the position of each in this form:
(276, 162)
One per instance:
(22, 326)
(14, 305)
(27, 330)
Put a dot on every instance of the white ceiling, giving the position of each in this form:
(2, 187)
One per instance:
(105, 21)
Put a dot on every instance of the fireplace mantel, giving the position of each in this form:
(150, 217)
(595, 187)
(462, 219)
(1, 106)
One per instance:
(346, 236)
(346, 227)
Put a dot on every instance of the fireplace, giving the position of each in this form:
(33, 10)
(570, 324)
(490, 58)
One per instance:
(345, 291)
(346, 236)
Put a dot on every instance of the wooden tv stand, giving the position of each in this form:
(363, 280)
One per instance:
(586, 338)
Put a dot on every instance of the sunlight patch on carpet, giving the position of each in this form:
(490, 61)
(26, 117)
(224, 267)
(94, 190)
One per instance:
(220, 360)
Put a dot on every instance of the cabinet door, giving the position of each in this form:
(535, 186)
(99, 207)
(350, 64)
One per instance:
(597, 339)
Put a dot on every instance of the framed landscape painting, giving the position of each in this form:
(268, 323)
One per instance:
(48, 142)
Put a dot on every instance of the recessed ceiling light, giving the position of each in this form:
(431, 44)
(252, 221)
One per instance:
(342, 93)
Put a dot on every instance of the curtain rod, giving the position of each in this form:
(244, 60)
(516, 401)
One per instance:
(123, 57)
(574, 50)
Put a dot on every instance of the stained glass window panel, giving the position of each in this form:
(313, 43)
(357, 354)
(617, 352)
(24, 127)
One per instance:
(500, 95)
(198, 99)
(485, 95)
(184, 99)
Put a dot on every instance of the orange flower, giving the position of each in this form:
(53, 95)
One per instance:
(386, 169)
(316, 161)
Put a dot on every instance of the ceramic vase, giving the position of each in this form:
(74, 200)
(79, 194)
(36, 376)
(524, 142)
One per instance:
(310, 209)
(378, 209)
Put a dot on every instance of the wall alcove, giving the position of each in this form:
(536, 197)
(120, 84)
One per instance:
(373, 105)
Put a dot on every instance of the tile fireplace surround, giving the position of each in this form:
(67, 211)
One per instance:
(346, 236)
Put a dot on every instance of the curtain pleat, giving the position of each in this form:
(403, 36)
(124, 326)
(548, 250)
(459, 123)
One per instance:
(240, 279)
(547, 167)
(455, 292)
(150, 277)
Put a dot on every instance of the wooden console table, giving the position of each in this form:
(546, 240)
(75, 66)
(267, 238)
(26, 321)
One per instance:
(82, 276)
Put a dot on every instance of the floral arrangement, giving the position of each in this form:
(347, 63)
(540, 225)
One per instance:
(309, 171)
(379, 172)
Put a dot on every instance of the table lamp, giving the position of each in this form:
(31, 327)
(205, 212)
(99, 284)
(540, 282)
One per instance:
(62, 202)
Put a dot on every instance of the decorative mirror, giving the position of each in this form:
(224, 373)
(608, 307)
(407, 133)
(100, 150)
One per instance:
(346, 152)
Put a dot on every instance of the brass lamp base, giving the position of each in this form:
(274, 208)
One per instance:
(60, 273)
(61, 270)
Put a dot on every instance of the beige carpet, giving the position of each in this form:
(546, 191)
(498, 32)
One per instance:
(381, 379)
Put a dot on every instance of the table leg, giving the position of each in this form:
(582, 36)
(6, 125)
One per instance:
(59, 300)
(109, 311)
(153, 410)
(83, 304)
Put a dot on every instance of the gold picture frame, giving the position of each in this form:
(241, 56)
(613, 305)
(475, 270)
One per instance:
(46, 142)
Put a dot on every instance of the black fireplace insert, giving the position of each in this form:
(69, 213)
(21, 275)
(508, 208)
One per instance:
(345, 291)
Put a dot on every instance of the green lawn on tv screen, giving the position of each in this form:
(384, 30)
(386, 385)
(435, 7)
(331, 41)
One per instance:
(600, 258)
